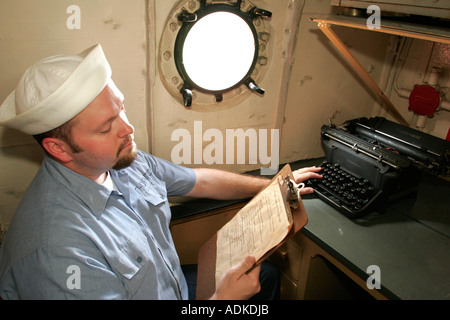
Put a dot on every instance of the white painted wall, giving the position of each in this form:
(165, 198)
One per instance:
(307, 82)
(32, 30)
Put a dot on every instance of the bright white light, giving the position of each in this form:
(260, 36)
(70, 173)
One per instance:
(218, 51)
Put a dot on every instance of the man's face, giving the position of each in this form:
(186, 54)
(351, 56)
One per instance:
(103, 134)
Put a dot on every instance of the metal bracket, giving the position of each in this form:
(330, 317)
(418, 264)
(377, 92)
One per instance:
(324, 26)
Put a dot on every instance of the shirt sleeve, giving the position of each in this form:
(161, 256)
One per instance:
(179, 180)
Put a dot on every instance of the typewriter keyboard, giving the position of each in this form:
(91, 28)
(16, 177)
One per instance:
(350, 194)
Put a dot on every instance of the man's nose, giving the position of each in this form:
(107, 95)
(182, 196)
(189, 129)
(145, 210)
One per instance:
(127, 127)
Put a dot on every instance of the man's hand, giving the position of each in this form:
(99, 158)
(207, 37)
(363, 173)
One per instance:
(303, 174)
(237, 284)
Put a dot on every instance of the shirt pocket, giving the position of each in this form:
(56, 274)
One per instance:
(132, 260)
(151, 189)
(154, 197)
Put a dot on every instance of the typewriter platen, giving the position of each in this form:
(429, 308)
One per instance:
(372, 162)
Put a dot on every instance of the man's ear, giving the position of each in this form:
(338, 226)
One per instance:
(57, 148)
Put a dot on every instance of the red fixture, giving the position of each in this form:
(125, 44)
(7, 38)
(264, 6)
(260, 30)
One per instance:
(424, 100)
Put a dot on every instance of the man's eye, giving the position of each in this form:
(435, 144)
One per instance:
(105, 131)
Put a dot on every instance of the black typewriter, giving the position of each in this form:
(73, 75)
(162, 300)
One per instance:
(373, 162)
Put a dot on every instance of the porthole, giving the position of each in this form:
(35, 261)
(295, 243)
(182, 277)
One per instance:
(217, 52)
(218, 48)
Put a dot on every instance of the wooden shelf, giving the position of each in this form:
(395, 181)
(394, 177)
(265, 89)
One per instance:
(404, 29)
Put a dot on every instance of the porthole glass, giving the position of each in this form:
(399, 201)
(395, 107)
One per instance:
(218, 51)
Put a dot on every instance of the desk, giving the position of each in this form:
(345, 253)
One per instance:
(410, 244)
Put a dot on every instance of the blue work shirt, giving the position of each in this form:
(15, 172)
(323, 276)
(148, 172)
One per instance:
(72, 238)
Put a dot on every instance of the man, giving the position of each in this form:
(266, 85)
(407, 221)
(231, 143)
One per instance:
(94, 222)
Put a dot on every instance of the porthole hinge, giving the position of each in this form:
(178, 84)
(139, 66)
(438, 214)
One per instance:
(186, 16)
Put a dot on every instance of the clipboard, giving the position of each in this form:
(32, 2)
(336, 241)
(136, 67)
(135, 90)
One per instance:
(206, 275)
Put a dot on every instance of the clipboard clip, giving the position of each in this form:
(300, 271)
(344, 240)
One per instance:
(293, 195)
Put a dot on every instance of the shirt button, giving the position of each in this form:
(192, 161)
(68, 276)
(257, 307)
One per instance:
(139, 259)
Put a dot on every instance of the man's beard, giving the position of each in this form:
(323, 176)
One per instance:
(126, 160)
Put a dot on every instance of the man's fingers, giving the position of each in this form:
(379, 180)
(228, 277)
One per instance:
(308, 169)
(246, 264)
(248, 267)
(306, 190)
(304, 174)
(240, 282)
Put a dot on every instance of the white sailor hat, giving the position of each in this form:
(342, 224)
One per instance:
(55, 90)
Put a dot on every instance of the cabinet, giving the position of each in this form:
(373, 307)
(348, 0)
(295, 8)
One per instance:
(191, 232)
(308, 272)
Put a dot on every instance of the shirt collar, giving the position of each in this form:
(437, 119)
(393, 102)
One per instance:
(91, 193)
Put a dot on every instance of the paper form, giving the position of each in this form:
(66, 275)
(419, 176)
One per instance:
(261, 225)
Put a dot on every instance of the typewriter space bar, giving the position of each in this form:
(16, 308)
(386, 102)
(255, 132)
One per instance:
(337, 201)
(332, 199)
